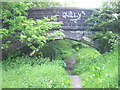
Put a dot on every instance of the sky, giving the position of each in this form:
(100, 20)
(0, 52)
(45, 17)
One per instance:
(83, 3)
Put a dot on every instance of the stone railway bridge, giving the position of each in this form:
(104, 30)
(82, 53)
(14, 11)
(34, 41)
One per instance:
(73, 27)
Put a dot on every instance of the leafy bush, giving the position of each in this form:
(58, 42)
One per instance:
(106, 41)
(18, 27)
(106, 20)
(60, 49)
(99, 72)
(44, 76)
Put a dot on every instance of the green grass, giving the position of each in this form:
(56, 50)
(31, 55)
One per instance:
(98, 72)
(86, 53)
(26, 72)
(84, 56)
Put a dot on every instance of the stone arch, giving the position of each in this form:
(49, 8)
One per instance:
(66, 15)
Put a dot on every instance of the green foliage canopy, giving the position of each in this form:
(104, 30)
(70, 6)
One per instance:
(16, 25)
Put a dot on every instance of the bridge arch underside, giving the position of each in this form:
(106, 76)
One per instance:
(74, 35)
(80, 36)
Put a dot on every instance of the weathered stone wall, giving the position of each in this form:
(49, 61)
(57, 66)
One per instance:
(78, 35)
(72, 18)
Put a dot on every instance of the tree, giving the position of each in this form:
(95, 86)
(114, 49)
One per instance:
(106, 19)
(16, 26)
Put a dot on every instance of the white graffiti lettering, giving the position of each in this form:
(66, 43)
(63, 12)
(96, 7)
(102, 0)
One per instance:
(73, 16)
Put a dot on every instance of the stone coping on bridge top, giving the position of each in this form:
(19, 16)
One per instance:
(62, 8)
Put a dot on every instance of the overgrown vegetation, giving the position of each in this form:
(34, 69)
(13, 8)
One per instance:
(16, 25)
(106, 20)
(25, 71)
(42, 69)
(98, 71)
(101, 71)
(28, 72)
(60, 49)
(45, 67)
(85, 56)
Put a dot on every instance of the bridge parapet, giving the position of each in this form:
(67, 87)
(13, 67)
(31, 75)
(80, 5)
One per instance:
(72, 18)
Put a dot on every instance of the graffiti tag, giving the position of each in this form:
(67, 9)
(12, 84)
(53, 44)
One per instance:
(73, 16)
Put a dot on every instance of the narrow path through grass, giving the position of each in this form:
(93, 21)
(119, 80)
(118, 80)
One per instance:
(76, 81)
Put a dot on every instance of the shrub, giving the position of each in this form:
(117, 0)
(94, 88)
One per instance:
(60, 49)
(106, 20)
(106, 41)
(18, 27)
